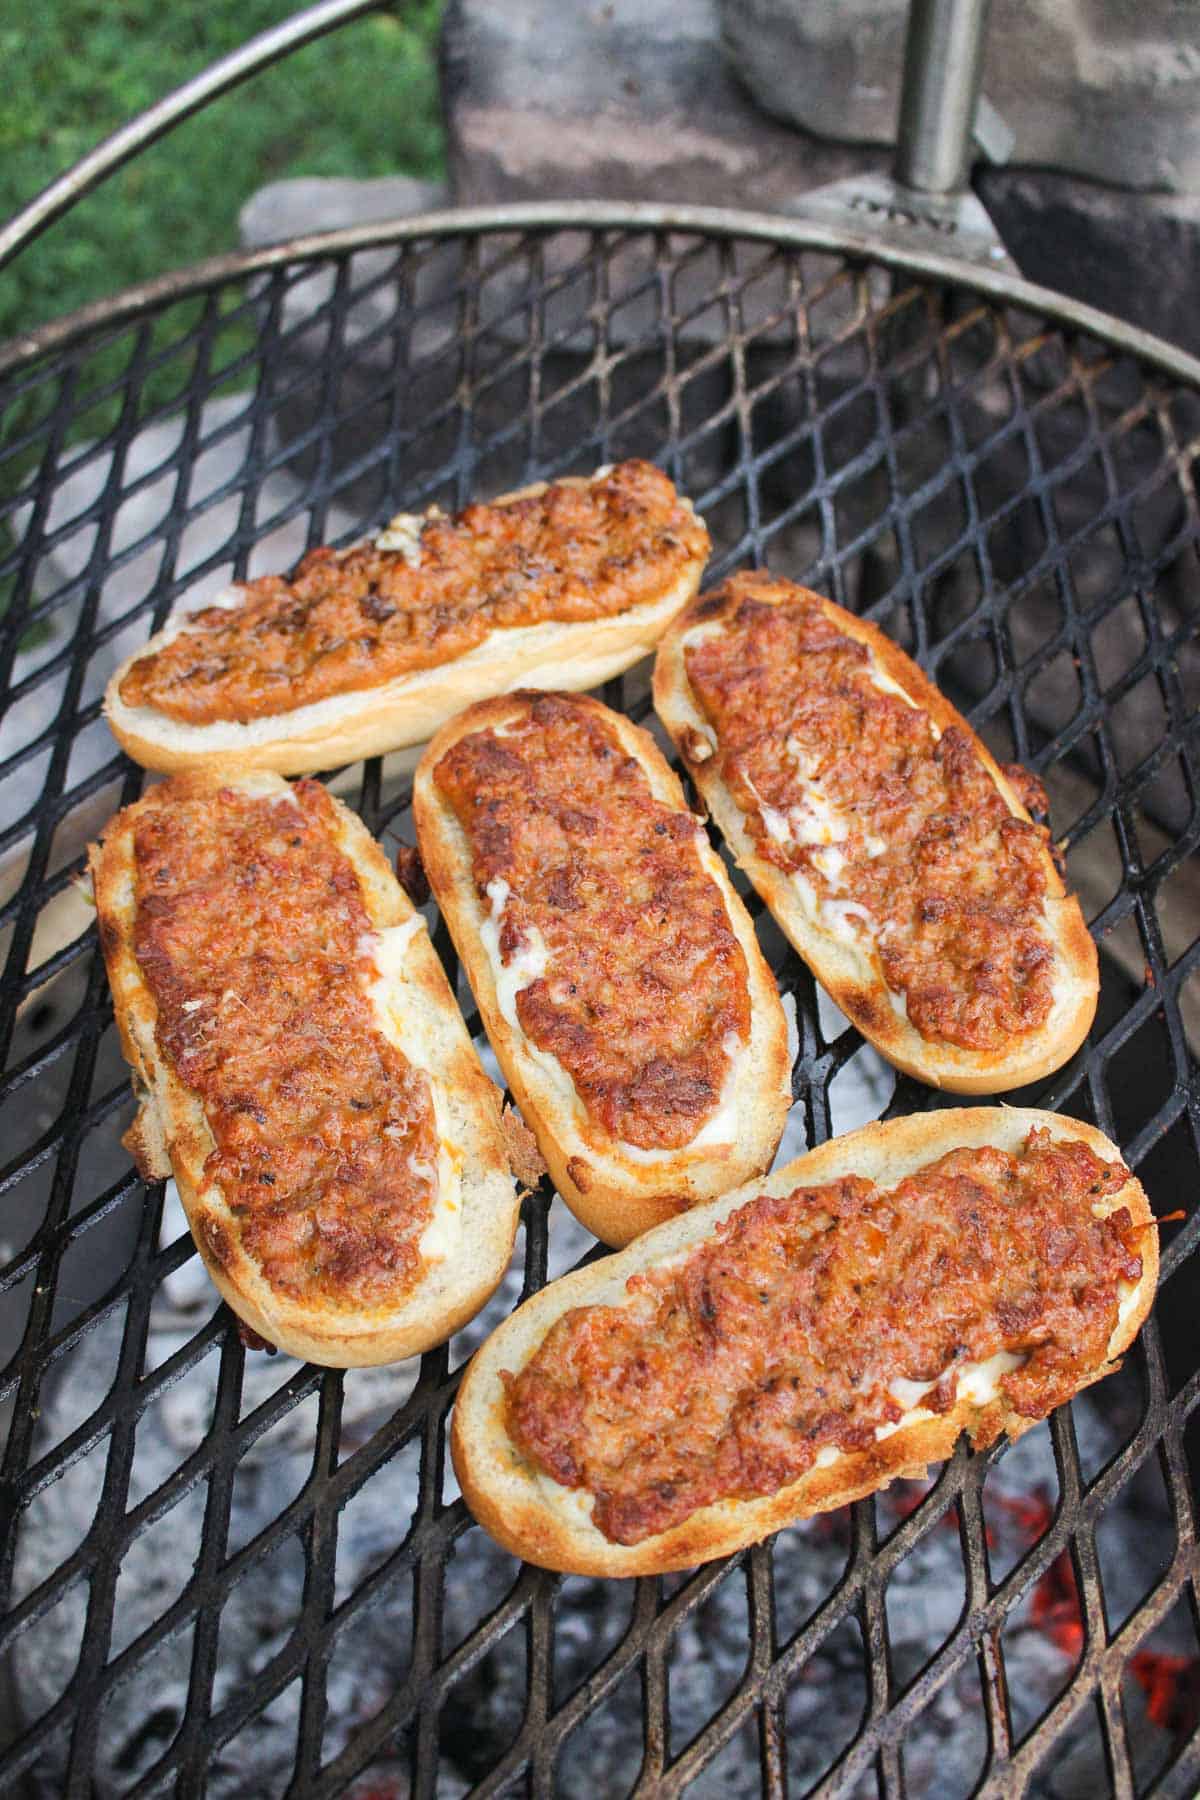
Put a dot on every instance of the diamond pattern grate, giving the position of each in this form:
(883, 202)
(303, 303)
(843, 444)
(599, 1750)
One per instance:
(223, 1574)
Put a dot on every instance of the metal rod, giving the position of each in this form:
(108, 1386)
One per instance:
(547, 216)
(943, 66)
(91, 169)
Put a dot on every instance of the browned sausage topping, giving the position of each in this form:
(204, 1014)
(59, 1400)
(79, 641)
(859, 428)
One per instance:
(251, 935)
(644, 977)
(351, 619)
(924, 842)
(724, 1377)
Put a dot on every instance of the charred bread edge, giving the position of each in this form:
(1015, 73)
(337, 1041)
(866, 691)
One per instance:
(616, 1197)
(370, 721)
(504, 1491)
(171, 1135)
(948, 1066)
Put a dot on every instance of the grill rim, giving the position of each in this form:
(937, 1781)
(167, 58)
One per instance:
(548, 216)
(877, 1743)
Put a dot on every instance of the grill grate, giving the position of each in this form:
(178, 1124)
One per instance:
(1011, 493)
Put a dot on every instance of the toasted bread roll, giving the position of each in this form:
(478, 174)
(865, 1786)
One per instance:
(365, 650)
(302, 1068)
(617, 972)
(805, 1340)
(894, 852)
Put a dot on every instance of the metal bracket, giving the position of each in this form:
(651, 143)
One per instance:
(927, 205)
(877, 207)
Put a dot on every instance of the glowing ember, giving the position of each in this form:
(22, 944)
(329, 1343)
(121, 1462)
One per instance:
(1171, 1685)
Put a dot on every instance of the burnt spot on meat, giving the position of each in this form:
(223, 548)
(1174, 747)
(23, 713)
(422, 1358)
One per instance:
(1030, 791)
(708, 606)
(252, 1340)
(377, 608)
(410, 873)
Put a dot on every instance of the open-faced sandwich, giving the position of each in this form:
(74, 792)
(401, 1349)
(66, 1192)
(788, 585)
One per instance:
(302, 1068)
(898, 857)
(365, 650)
(617, 972)
(805, 1340)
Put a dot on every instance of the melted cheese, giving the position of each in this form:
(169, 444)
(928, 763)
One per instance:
(1127, 1301)
(526, 966)
(402, 1025)
(880, 679)
(721, 1126)
(403, 533)
(574, 1506)
(815, 820)
(842, 915)
(978, 1383)
(529, 964)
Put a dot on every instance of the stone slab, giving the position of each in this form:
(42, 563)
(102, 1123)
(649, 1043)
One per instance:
(614, 102)
(1108, 89)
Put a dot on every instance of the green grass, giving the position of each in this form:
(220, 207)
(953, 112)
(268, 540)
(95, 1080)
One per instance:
(361, 102)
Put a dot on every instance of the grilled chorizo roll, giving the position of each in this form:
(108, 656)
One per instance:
(302, 1068)
(617, 973)
(896, 855)
(365, 650)
(805, 1340)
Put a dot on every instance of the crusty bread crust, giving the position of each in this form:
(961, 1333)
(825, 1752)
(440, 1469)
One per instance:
(408, 710)
(171, 1135)
(616, 1195)
(509, 1497)
(853, 977)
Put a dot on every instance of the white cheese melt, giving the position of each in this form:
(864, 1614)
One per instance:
(883, 681)
(721, 1126)
(529, 964)
(525, 967)
(815, 820)
(403, 533)
(978, 1382)
(402, 1025)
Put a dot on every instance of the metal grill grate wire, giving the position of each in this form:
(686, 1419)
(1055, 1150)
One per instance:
(1012, 498)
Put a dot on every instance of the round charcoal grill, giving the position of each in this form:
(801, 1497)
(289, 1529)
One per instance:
(225, 1574)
